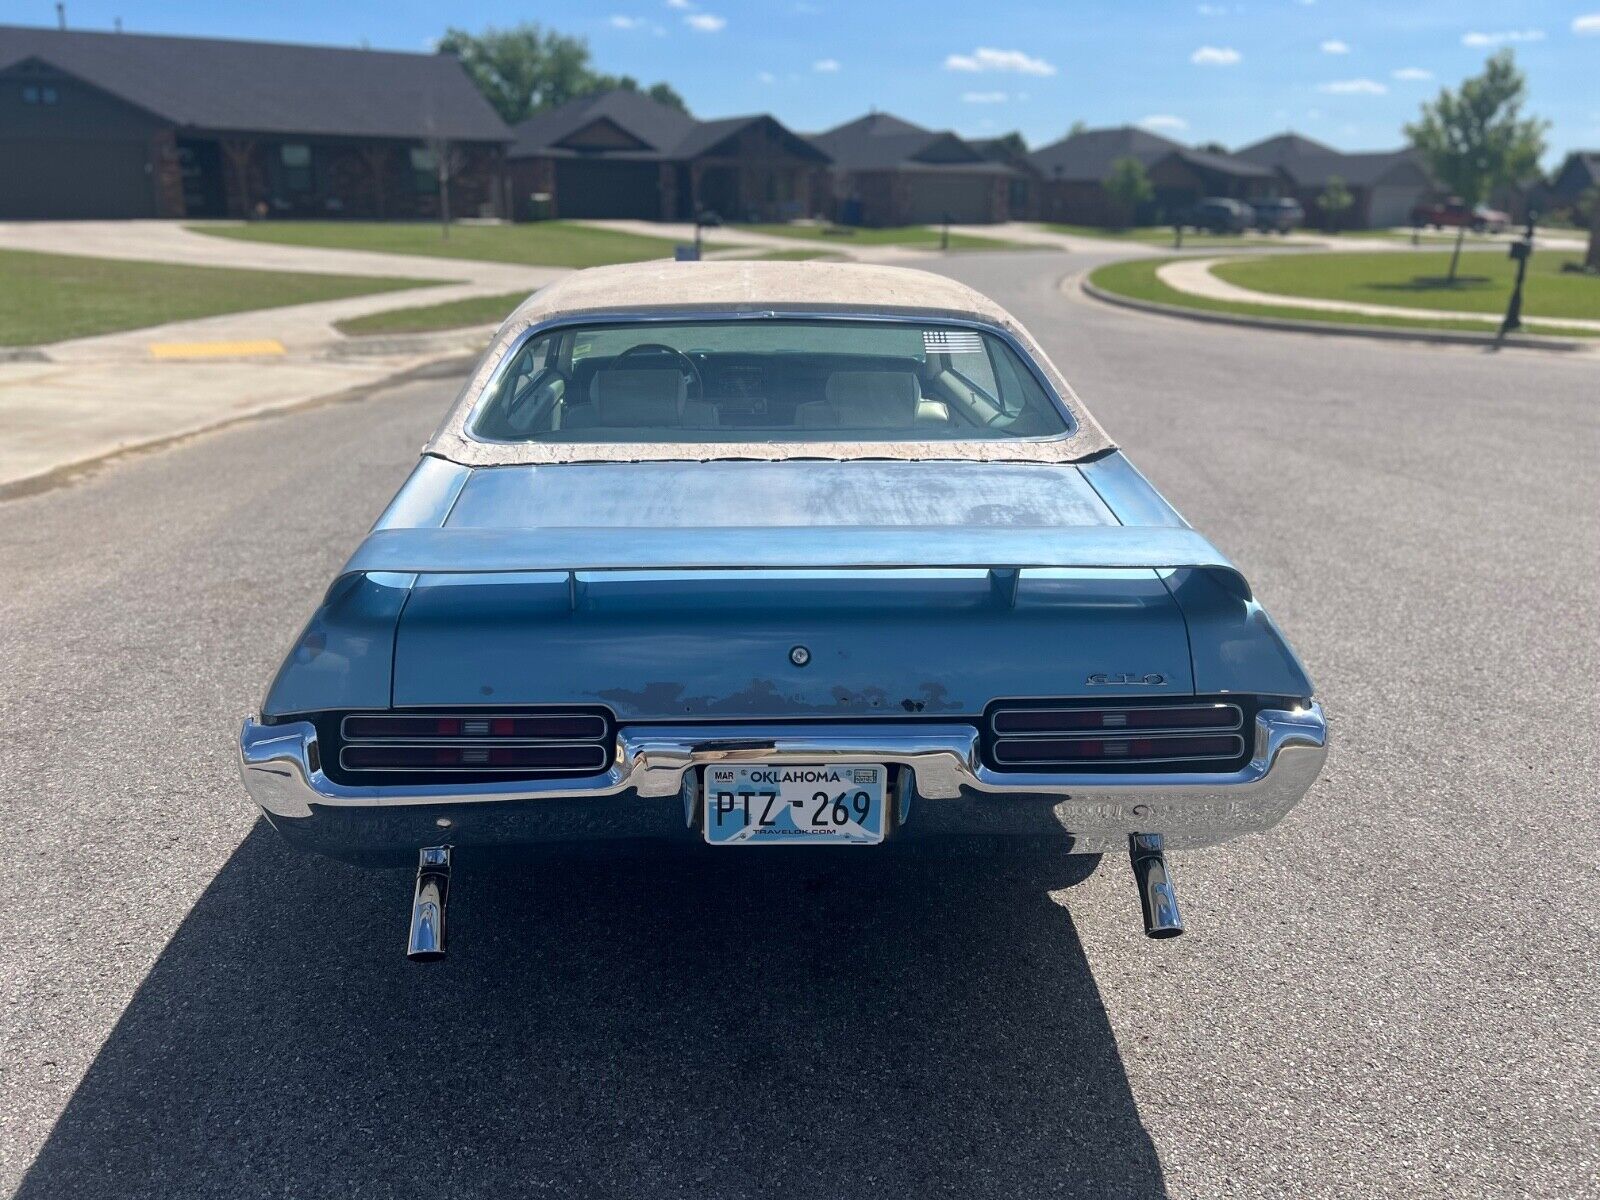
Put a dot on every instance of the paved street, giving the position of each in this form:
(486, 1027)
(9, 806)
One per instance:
(1391, 994)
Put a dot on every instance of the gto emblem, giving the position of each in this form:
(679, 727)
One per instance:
(1126, 680)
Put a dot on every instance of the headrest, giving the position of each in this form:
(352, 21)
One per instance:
(874, 399)
(639, 396)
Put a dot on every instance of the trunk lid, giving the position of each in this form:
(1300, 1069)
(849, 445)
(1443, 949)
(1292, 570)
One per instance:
(670, 644)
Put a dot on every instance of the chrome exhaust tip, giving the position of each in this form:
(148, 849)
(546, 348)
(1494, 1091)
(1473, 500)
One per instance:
(1157, 895)
(426, 943)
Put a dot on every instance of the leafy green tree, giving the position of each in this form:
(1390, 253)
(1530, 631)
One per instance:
(1129, 187)
(1334, 201)
(1475, 138)
(525, 69)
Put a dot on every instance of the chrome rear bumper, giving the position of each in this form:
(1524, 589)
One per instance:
(651, 791)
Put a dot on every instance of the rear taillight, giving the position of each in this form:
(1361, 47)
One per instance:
(1045, 735)
(526, 744)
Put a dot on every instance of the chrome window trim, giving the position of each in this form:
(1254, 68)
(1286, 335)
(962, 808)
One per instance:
(469, 427)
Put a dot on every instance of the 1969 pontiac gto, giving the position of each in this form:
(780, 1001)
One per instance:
(777, 554)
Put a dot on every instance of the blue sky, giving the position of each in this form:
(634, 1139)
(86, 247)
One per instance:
(1348, 72)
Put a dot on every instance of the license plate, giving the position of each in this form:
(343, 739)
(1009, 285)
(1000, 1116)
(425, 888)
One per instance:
(795, 804)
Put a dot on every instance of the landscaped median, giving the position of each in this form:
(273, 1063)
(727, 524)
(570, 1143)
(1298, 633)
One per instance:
(912, 237)
(1407, 286)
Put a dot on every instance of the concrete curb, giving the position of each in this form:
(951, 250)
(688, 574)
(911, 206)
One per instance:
(1440, 337)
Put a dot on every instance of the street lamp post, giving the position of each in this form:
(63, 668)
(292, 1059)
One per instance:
(1521, 251)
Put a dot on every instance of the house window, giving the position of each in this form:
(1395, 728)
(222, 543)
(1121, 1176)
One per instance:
(424, 169)
(295, 160)
(34, 94)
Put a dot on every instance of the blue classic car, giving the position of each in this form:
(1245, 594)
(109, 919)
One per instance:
(744, 555)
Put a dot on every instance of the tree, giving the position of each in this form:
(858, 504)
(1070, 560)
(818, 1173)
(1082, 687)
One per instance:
(1589, 203)
(1129, 187)
(525, 69)
(1011, 145)
(1475, 139)
(1334, 200)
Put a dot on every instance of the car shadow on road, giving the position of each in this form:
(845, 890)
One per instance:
(736, 1026)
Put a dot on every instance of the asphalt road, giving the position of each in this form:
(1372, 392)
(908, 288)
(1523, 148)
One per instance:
(1394, 993)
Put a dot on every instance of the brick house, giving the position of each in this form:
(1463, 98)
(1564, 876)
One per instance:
(118, 125)
(1073, 172)
(1384, 185)
(623, 154)
(887, 171)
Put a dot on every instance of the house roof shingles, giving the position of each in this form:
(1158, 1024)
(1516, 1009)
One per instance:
(665, 133)
(1311, 164)
(884, 142)
(269, 87)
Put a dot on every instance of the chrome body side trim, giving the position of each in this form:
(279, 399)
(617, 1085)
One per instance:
(281, 768)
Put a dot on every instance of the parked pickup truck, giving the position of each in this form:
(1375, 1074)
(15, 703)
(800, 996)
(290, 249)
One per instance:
(1452, 214)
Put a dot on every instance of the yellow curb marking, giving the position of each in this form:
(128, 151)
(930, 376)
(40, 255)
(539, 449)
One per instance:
(216, 349)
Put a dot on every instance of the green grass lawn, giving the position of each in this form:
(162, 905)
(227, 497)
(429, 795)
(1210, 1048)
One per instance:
(1417, 280)
(1137, 279)
(538, 243)
(49, 297)
(1160, 235)
(920, 237)
(491, 310)
(792, 256)
(427, 318)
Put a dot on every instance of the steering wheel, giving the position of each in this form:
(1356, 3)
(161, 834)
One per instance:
(692, 370)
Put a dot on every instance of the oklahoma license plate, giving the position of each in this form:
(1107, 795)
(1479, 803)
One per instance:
(795, 804)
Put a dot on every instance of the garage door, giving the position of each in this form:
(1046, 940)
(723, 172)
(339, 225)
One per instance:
(1392, 206)
(968, 199)
(608, 189)
(67, 180)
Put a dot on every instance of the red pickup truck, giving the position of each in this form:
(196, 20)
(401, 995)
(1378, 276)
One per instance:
(1479, 218)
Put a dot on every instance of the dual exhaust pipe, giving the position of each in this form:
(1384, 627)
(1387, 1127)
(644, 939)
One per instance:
(426, 942)
(1157, 897)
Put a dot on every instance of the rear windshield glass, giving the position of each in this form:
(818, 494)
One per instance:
(766, 380)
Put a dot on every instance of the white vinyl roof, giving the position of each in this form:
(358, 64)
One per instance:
(742, 288)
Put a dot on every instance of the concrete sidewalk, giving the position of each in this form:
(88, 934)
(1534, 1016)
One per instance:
(1193, 276)
(88, 398)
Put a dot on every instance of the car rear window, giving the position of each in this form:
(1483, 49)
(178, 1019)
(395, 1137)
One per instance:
(766, 379)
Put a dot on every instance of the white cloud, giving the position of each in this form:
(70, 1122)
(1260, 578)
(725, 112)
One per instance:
(986, 58)
(1588, 23)
(621, 22)
(1215, 56)
(1412, 74)
(1212, 10)
(1335, 46)
(1354, 87)
(766, 77)
(681, 5)
(984, 97)
(1502, 37)
(827, 66)
(1164, 122)
(705, 22)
